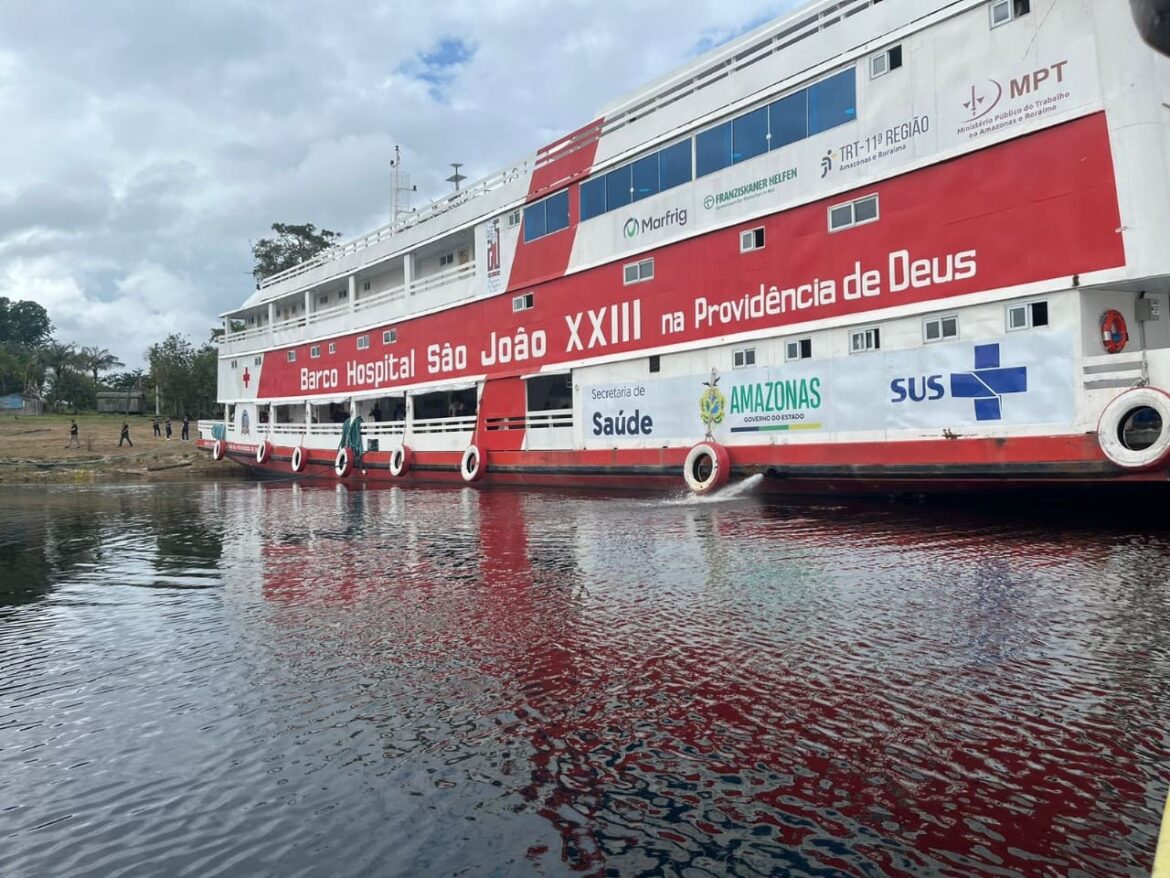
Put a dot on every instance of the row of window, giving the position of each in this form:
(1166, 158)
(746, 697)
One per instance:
(256, 361)
(934, 329)
(812, 110)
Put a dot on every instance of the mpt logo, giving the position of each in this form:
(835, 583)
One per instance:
(985, 385)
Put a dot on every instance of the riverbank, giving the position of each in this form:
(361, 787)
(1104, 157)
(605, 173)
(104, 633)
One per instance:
(37, 449)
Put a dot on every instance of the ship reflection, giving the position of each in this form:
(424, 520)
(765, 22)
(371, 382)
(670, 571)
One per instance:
(789, 690)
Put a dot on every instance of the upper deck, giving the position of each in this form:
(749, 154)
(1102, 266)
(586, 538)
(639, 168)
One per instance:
(1035, 69)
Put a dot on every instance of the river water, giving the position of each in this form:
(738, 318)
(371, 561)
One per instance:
(249, 679)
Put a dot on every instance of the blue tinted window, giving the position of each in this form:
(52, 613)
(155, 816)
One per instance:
(646, 177)
(749, 135)
(534, 226)
(832, 102)
(556, 211)
(617, 188)
(674, 165)
(592, 198)
(713, 149)
(789, 119)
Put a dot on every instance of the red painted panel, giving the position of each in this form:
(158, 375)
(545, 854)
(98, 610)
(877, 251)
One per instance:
(504, 404)
(1040, 207)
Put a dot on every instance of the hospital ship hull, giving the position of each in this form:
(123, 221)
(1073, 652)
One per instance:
(913, 246)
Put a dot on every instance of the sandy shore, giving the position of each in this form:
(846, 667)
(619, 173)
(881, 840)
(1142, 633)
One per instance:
(34, 449)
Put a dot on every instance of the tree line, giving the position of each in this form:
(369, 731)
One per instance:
(68, 376)
(180, 378)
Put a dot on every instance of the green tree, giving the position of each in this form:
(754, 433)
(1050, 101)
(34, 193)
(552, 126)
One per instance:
(21, 369)
(61, 362)
(291, 246)
(24, 323)
(98, 360)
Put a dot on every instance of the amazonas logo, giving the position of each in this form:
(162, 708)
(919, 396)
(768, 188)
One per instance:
(640, 225)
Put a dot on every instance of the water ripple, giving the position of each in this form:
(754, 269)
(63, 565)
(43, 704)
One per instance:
(250, 679)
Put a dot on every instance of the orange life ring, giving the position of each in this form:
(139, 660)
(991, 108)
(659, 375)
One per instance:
(1114, 333)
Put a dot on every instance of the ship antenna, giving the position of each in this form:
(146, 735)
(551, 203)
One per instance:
(400, 184)
(456, 177)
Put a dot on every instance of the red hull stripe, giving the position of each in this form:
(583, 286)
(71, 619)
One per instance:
(989, 212)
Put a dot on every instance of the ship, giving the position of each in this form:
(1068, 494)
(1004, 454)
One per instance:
(873, 246)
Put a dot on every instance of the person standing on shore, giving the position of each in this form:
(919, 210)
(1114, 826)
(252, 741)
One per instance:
(125, 437)
(74, 440)
(186, 434)
(169, 430)
(154, 424)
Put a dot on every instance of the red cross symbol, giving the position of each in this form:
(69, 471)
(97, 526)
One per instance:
(247, 377)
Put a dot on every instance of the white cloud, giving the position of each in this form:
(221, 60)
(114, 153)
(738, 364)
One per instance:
(145, 144)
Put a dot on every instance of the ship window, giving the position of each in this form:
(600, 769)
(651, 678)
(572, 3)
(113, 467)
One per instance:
(742, 358)
(363, 342)
(853, 213)
(344, 294)
(323, 300)
(446, 259)
(332, 347)
(713, 149)
(390, 336)
(235, 364)
(513, 219)
(788, 119)
(645, 177)
(674, 165)
(617, 188)
(798, 349)
(557, 211)
(883, 62)
(636, 272)
(655, 363)
(1003, 11)
(292, 356)
(832, 102)
(862, 340)
(752, 239)
(940, 328)
(1027, 316)
(749, 135)
(365, 286)
(524, 302)
(315, 351)
(592, 198)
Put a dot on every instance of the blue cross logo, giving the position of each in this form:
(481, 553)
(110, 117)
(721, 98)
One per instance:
(988, 383)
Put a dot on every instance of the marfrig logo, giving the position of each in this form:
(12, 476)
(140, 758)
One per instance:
(986, 385)
(634, 225)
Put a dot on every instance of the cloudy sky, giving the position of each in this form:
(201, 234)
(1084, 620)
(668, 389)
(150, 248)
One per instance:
(145, 144)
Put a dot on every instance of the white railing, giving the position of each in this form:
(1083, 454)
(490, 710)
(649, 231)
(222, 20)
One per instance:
(379, 428)
(459, 272)
(380, 298)
(430, 282)
(548, 420)
(432, 210)
(461, 424)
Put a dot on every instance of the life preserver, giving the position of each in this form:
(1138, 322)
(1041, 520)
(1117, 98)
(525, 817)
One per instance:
(343, 463)
(219, 450)
(298, 459)
(707, 467)
(400, 459)
(263, 451)
(473, 465)
(1114, 418)
(1114, 333)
